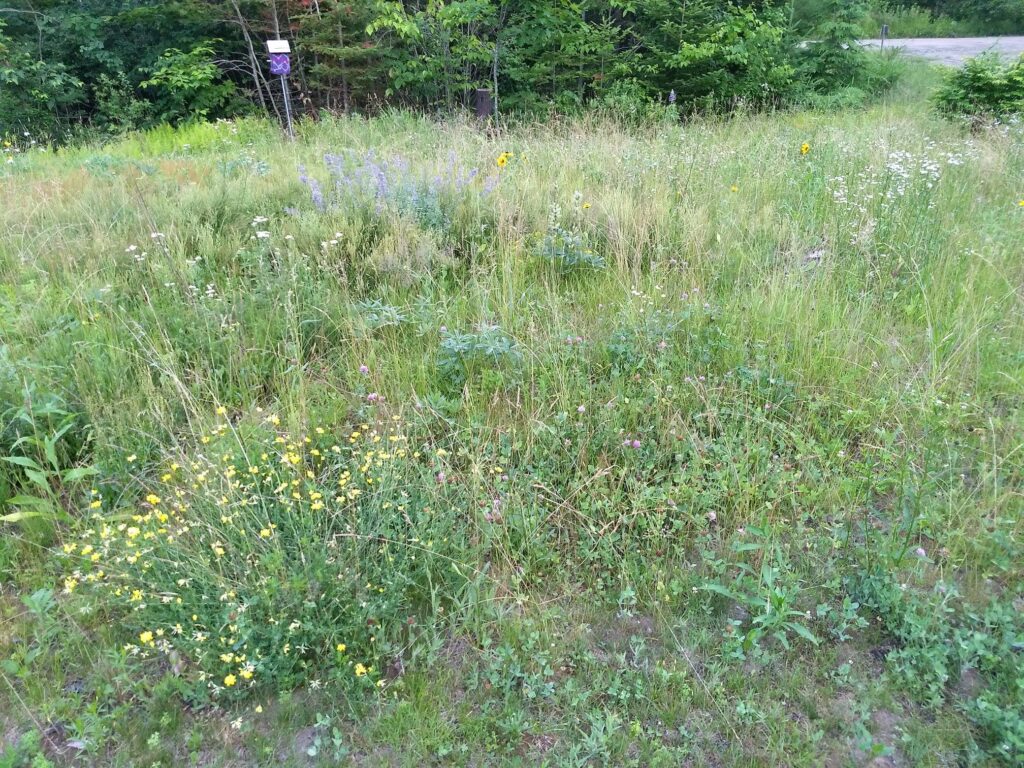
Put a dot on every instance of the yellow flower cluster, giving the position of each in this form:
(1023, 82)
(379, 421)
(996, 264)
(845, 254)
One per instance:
(211, 523)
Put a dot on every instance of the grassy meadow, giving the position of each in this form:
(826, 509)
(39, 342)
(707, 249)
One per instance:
(578, 443)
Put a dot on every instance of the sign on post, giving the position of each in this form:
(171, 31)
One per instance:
(281, 66)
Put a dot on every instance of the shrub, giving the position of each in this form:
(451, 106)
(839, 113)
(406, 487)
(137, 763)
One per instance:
(984, 87)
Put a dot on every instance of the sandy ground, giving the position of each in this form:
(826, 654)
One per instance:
(953, 50)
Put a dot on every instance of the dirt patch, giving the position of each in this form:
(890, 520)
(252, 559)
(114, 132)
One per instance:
(536, 745)
(885, 729)
(970, 685)
(300, 746)
(10, 737)
(869, 662)
(378, 757)
(455, 652)
(616, 636)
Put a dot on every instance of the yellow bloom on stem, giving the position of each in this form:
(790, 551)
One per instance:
(341, 647)
(805, 148)
(146, 637)
(360, 670)
(230, 680)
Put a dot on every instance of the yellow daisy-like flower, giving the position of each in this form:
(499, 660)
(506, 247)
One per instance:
(230, 680)
(341, 648)
(1021, 203)
(146, 638)
(586, 206)
(805, 148)
(503, 159)
(734, 188)
(360, 670)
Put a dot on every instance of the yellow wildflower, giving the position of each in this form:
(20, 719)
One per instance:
(360, 670)
(230, 680)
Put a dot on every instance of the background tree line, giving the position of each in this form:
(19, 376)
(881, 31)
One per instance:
(113, 65)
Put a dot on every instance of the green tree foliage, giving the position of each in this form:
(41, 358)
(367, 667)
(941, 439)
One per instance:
(114, 65)
(189, 84)
(996, 16)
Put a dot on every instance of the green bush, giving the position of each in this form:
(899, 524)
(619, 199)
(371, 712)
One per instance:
(985, 87)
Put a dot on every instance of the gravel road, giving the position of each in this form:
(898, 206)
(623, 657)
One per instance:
(953, 50)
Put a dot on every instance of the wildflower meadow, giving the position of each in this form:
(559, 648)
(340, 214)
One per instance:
(593, 442)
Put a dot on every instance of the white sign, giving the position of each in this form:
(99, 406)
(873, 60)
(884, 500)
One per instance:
(278, 46)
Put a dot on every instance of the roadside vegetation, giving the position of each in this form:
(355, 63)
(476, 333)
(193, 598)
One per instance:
(607, 440)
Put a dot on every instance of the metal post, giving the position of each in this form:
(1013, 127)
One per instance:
(885, 34)
(287, 107)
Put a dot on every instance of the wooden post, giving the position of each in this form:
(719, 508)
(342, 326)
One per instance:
(484, 103)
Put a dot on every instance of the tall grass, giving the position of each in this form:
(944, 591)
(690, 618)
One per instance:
(804, 328)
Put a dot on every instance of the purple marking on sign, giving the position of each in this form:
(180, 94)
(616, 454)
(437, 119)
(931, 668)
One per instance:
(280, 64)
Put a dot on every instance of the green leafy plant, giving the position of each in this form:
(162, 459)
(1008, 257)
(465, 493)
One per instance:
(189, 84)
(985, 87)
(487, 349)
(42, 461)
